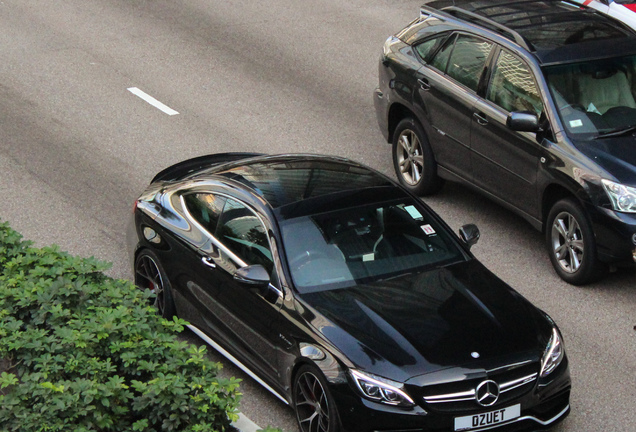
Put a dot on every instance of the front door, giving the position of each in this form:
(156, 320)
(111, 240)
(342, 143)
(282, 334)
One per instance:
(248, 319)
(506, 162)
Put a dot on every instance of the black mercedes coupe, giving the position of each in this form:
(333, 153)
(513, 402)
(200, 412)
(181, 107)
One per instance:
(345, 296)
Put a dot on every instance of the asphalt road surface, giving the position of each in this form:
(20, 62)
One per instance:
(76, 146)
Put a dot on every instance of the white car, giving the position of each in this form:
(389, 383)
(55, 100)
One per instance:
(623, 10)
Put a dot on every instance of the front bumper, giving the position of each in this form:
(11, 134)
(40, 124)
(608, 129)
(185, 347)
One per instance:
(615, 235)
(545, 405)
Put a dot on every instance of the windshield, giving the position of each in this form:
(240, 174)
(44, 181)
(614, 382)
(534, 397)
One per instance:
(595, 97)
(364, 244)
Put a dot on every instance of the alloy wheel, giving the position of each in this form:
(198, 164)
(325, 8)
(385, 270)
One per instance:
(312, 404)
(410, 157)
(567, 242)
(149, 277)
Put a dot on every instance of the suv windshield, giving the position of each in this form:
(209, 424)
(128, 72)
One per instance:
(364, 244)
(595, 98)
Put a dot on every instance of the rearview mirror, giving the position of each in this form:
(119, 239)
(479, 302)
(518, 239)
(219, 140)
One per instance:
(469, 234)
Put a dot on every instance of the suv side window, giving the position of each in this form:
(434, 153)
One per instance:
(205, 208)
(242, 232)
(441, 59)
(467, 60)
(427, 48)
(512, 86)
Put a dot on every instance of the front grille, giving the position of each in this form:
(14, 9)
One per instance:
(459, 396)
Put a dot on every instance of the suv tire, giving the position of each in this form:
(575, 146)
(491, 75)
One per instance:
(413, 159)
(571, 243)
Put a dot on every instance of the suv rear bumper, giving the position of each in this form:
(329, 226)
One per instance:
(381, 109)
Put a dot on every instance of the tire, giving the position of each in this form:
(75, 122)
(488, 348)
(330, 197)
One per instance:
(571, 244)
(149, 274)
(314, 406)
(413, 159)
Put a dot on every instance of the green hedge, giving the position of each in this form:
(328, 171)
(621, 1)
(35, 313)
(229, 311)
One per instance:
(84, 352)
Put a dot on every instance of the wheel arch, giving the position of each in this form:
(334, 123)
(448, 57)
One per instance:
(327, 363)
(551, 195)
(397, 113)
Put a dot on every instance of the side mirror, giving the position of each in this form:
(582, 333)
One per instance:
(469, 234)
(523, 122)
(254, 275)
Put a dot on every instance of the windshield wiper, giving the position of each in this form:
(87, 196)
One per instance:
(626, 130)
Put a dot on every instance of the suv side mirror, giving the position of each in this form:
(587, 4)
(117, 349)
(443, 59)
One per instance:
(523, 122)
(254, 275)
(469, 234)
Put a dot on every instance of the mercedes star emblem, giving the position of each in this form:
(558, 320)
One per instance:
(487, 393)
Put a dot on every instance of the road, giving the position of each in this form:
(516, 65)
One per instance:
(76, 147)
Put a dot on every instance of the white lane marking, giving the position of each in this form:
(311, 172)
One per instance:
(244, 424)
(152, 101)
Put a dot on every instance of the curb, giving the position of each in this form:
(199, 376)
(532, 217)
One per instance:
(244, 424)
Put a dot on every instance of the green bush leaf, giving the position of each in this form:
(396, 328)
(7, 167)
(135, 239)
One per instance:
(86, 352)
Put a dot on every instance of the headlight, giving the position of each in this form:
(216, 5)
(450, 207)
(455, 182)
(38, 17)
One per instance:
(623, 197)
(380, 390)
(553, 355)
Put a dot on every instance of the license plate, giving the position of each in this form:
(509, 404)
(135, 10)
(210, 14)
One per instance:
(487, 419)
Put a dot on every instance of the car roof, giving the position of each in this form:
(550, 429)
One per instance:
(303, 183)
(554, 31)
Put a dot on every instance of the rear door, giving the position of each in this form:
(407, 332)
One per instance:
(447, 90)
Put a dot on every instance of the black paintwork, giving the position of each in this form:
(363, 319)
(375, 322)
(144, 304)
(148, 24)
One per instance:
(417, 329)
(525, 172)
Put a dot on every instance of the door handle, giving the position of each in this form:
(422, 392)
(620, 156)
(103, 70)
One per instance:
(480, 119)
(424, 85)
(208, 262)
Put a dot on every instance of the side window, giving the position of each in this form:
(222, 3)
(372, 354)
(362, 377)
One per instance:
(512, 86)
(427, 48)
(205, 208)
(441, 58)
(243, 233)
(468, 59)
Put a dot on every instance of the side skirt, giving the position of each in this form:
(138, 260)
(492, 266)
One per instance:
(233, 359)
(452, 177)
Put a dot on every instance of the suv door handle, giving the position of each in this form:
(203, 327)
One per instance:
(480, 119)
(208, 261)
(424, 85)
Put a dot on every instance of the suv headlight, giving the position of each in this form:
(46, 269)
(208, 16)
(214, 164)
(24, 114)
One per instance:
(553, 354)
(381, 390)
(623, 197)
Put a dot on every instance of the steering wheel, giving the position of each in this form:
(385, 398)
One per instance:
(304, 258)
(574, 106)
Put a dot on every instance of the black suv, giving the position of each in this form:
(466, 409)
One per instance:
(533, 104)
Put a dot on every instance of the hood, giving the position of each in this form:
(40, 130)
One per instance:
(426, 322)
(616, 155)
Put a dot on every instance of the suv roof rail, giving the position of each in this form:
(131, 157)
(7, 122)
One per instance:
(454, 12)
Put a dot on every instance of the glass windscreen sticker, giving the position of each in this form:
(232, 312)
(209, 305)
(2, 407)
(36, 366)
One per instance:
(576, 123)
(413, 212)
(428, 229)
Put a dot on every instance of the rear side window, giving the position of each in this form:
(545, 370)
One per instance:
(467, 60)
(428, 48)
(441, 58)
